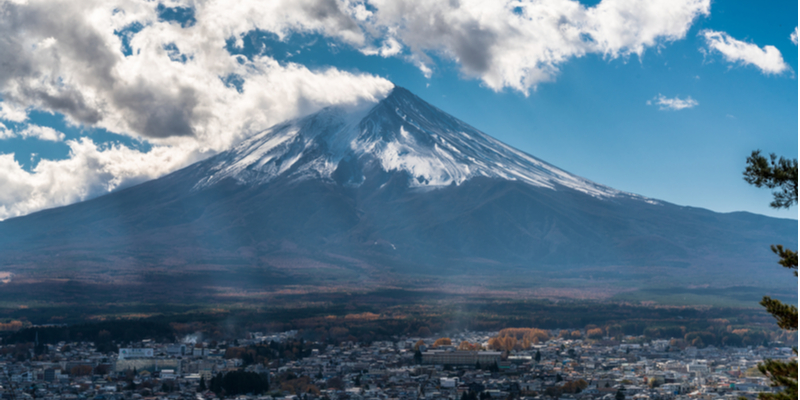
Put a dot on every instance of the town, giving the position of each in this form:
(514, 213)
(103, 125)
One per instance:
(562, 365)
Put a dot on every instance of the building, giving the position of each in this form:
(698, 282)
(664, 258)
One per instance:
(135, 353)
(440, 357)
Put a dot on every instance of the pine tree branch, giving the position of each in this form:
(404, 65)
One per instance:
(788, 257)
(774, 173)
(786, 314)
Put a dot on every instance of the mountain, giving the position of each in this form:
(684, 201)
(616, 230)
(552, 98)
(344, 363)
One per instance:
(397, 193)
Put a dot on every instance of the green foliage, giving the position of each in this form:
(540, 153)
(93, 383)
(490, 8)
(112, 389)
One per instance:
(781, 374)
(469, 395)
(786, 314)
(239, 382)
(778, 173)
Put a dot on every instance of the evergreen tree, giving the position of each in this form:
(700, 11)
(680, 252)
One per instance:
(202, 387)
(538, 356)
(418, 356)
(781, 174)
(620, 395)
(494, 368)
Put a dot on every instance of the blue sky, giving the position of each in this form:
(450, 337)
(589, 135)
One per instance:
(595, 114)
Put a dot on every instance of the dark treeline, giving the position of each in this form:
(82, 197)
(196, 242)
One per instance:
(126, 330)
(360, 322)
(293, 349)
(239, 382)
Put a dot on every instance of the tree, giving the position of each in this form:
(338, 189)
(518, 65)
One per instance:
(442, 342)
(239, 382)
(620, 395)
(595, 333)
(781, 174)
(202, 386)
(538, 356)
(417, 357)
(81, 370)
(775, 173)
(467, 346)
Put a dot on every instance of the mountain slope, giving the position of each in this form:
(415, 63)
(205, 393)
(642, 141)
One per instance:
(400, 134)
(391, 194)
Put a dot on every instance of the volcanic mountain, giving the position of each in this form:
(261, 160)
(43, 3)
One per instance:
(392, 193)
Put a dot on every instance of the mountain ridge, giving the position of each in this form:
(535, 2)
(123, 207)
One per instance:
(432, 146)
(378, 196)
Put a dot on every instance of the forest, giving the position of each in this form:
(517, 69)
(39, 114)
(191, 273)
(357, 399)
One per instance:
(359, 320)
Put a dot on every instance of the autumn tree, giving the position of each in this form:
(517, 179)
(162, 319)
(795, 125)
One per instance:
(614, 330)
(506, 343)
(467, 346)
(523, 338)
(779, 174)
(595, 333)
(80, 370)
(575, 386)
(442, 342)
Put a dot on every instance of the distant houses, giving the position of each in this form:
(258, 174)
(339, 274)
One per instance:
(458, 357)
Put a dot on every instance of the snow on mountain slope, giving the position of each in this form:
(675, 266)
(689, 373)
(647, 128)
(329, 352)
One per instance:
(400, 133)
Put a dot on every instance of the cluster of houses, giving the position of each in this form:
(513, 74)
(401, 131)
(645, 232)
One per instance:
(405, 368)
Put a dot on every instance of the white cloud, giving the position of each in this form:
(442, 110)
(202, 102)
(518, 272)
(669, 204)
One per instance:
(64, 56)
(519, 43)
(6, 133)
(768, 59)
(390, 47)
(676, 103)
(42, 133)
(11, 112)
(88, 170)
(793, 36)
(35, 131)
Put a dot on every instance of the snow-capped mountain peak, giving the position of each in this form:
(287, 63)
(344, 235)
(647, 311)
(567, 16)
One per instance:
(401, 133)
